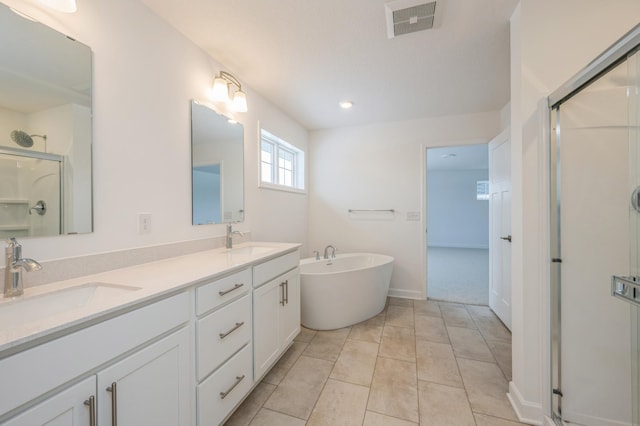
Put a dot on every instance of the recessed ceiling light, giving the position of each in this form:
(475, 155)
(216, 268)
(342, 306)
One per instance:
(346, 104)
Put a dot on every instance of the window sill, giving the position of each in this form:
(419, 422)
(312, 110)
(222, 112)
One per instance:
(273, 187)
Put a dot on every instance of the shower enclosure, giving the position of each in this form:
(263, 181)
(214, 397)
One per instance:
(31, 188)
(595, 241)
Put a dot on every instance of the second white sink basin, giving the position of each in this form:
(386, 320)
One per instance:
(249, 250)
(27, 309)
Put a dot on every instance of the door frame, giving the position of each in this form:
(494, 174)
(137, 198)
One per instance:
(424, 252)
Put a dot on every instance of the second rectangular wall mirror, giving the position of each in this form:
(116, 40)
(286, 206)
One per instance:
(217, 148)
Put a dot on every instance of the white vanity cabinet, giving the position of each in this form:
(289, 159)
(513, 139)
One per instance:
(136, 350)
(276, 310)
(71, 407)
(224, 368)
(150, 387)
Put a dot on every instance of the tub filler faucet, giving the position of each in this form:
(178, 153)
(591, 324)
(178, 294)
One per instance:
(326, 252)
(15, 263)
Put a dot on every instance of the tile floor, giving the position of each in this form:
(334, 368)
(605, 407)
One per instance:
(418, 362)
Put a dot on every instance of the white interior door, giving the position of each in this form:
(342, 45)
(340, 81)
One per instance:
(500, 227)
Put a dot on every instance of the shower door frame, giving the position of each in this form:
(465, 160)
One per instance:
(613, 56)
(27, 153)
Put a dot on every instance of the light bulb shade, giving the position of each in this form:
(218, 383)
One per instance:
(240, 101)
(220, 91)
(66, 6)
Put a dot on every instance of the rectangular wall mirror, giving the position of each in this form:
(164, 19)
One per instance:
(217, 167)
(45, 130)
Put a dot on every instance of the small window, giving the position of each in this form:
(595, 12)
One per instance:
(281, 164)
(482, 190)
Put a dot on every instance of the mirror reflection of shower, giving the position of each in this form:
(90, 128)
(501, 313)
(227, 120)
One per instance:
(25, 140)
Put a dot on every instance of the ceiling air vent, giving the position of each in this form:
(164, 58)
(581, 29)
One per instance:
(409, 16)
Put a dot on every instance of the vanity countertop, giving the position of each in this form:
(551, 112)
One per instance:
(155, 281)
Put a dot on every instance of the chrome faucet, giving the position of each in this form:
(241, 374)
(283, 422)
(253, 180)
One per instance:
(326, 252)
(230, 232)
(14, 266)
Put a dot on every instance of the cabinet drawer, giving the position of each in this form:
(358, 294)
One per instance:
(220, 291)
(221, 333)
(224, 389)
(268, 270)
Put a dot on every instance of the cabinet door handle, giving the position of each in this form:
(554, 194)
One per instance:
(223, 395)
(91, 402)
(235, 327)
(235, 287)
(281, 285)
(286, 293)
(114, 403)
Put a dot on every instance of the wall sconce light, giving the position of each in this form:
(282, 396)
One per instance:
(220, 92)
(66, 6)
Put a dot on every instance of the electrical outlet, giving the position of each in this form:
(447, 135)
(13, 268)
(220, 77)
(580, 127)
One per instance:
(144, 223)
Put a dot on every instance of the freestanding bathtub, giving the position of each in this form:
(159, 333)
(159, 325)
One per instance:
(346, 290)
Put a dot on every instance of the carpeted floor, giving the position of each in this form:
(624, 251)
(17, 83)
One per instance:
(458, 275)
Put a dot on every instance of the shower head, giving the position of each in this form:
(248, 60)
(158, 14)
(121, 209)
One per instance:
(24, 139)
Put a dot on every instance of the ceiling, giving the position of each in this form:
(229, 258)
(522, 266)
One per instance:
(306, 56)
(467, 157)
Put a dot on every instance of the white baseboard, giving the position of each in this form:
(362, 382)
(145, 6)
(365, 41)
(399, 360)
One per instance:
(527, 412)
(406, 294)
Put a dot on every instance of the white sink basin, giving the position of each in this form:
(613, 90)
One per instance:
(27, 309)
(249, 250)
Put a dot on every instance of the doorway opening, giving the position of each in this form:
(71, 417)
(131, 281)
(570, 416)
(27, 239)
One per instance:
(458, 224)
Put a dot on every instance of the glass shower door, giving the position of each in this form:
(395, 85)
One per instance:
(596, 149)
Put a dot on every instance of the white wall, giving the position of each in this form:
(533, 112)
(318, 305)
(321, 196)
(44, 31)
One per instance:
(145, 74)
(381, 166)
(455, 217)
(550, 42)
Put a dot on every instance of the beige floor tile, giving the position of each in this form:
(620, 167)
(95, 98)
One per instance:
(394, 389)
(325, 347)
(270, 418)
(377, 419)
(398, 343)
(341, 333)
(502, 353)
(456, 315)
(297, 393)
(397, 301)
(356, 362)
(484, 420)
(468, 343)
(486, 388)
(277, 373)
(340, 403)
(436, 363)
(442, 405)
(427, 307)
(493, 329)
(400, 316)
(370, 331)
(305, 335)
(479, 312)
(431, 328)
(251, 405)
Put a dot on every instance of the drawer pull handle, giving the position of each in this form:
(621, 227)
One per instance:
(235, 287)
(223, 395)
(91, 402)
(114, 403)
(237, 326)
